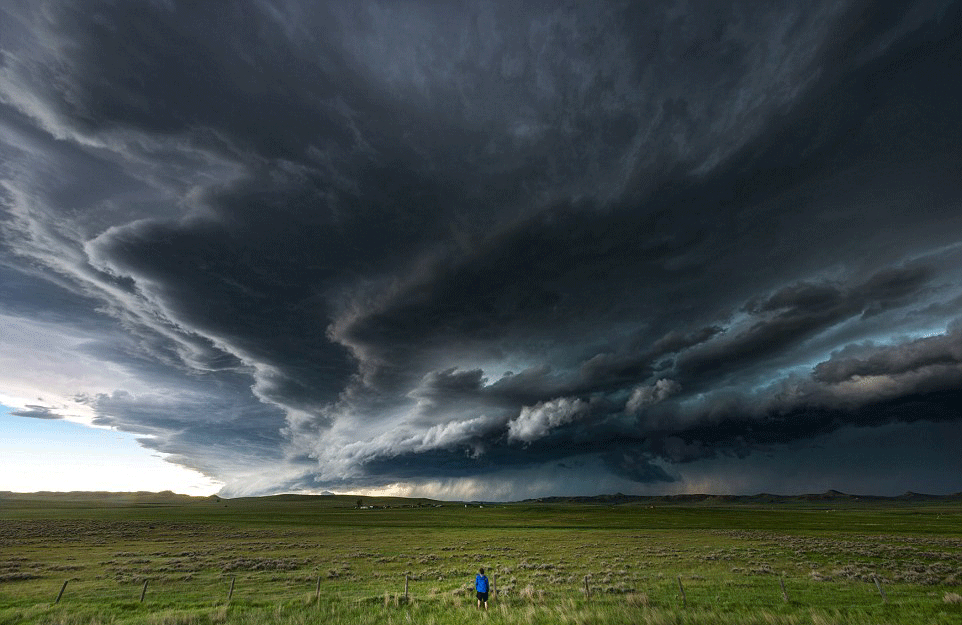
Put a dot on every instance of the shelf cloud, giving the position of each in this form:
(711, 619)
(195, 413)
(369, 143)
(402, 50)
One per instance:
(491, 250)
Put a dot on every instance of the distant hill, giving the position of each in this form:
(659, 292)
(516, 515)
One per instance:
(761, 498)
(103, 498)
(168, 498)
(327, 499)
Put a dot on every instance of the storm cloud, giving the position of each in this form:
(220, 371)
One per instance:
(488, 249)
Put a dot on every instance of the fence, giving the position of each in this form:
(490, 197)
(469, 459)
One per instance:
(589, 593)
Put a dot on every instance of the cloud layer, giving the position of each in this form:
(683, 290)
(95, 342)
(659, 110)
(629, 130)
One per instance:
(490, 250)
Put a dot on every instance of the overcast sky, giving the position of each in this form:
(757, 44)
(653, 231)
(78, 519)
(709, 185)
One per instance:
(489, 250)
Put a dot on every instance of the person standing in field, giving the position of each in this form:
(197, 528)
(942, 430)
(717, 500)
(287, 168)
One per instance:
(481, 586)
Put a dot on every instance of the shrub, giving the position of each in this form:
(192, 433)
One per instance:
(637, 599)
(530, 593)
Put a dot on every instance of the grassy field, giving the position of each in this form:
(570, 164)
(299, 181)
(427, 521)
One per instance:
(322, 560)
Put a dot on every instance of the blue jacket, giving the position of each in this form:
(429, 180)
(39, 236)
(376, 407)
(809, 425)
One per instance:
(481, 583)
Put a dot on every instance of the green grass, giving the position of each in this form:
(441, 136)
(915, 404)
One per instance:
(300, 560)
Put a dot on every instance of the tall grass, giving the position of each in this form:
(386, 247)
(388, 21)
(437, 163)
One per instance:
(295, 562)
(451, 613)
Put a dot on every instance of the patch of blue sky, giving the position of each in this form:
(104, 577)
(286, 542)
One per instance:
(59, 455)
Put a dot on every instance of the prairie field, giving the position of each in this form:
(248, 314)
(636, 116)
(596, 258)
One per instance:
(171, 560)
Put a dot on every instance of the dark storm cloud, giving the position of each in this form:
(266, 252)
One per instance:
(797, 311)
(870, 360)
(377, 242)
(740, 434)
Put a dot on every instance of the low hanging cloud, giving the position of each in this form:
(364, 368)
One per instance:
(477, 248)
(647, 395)
(537, 421)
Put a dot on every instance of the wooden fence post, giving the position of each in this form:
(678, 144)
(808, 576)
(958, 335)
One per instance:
(230, 593)
(143, 592)
(684, 599)
(880, 591)
(781, 580)
(494, 585)
(587, 590)
(60, 594)
(317, 595)
(405, 589)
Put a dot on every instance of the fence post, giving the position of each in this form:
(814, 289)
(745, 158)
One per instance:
(684, 599)
(587, 590)
(781, 580)
(405, 589)
(317, 595)
(880, 591)
(143, 592)
(60, 594)
(494, 585)
(230, 593)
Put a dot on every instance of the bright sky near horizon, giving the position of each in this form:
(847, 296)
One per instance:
(61, 456)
